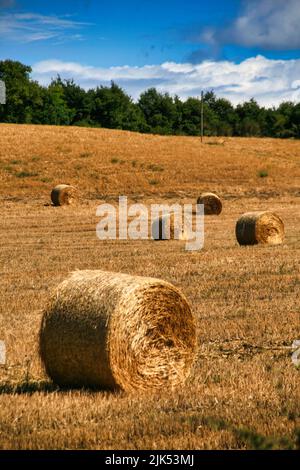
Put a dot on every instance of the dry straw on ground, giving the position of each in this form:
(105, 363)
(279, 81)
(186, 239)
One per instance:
(112, 330)
(212, 203)
(63, 194)
(259, 227)
(168, 227)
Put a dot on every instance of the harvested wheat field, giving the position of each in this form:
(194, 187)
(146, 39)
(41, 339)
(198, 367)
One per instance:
(243, 392)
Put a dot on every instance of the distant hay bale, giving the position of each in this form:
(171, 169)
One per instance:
(63, 194)
(116, 331)
(259, 227)
(212, 203)
(166, 228)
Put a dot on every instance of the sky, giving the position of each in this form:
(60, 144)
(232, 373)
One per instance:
(238, 48)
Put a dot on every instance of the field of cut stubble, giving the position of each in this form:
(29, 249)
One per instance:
(244, 390)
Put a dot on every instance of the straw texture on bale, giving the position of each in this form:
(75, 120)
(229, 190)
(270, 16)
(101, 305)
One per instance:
(63, 194)
(212, 203)
(259, 227)
(116, 331)
(166, 228)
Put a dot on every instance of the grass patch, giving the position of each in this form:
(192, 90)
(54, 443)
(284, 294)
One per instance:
(153, 182)
(46, 180)
(117, 160)
(154, 167)
(216, 424)
(16, 162)
(85, 155)
(262, 173)
(256, 441)
(8, 168)
(25, 174)
(35, 159)
(251, 439)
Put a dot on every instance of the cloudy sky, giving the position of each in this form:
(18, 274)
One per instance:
(238, 48)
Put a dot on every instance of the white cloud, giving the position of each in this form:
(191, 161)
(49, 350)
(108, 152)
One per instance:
(29, 27)
(268, 81)
(268, 24)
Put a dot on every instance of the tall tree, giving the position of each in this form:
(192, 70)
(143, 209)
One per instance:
(56, 110)
(17, 83)
(78, 102)
(251, 119)
(112, 108)
(159, 110)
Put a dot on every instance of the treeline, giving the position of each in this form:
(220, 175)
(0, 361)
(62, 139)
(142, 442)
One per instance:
(63, 102)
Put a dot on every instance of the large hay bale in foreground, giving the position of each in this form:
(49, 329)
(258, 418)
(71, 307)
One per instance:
(212, 203)
(259, 227)
(63, 194)
(110, 331)
(166, 227)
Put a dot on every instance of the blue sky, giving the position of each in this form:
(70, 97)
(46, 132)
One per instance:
(240, 48)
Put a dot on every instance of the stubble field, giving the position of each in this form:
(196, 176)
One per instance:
(244, 389)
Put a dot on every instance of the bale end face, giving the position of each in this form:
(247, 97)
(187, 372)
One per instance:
(212, 203)
(161, 337)
(254, 228)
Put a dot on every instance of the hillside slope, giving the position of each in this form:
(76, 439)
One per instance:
(105, 163)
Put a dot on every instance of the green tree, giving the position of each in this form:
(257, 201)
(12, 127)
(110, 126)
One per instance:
(191, 116)
(112, 108)
(227, 117)
(78, 102)
(295, 121)
(283, 117)
(251, 119)
(55, 108)
(159, 110)
(17, 82)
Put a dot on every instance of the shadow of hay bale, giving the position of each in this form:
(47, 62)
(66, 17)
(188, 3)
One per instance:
(27, 387)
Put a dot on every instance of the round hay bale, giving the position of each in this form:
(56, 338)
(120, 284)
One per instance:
(164, 228)
(212, 203)
(63, 194)
(259, 227)
(116, 331)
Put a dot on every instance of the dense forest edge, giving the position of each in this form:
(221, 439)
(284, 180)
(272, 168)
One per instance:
(63, 102)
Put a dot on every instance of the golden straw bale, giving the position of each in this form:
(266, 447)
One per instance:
(259, 227)
(112, 330)
(63, 194)
(212, 203)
